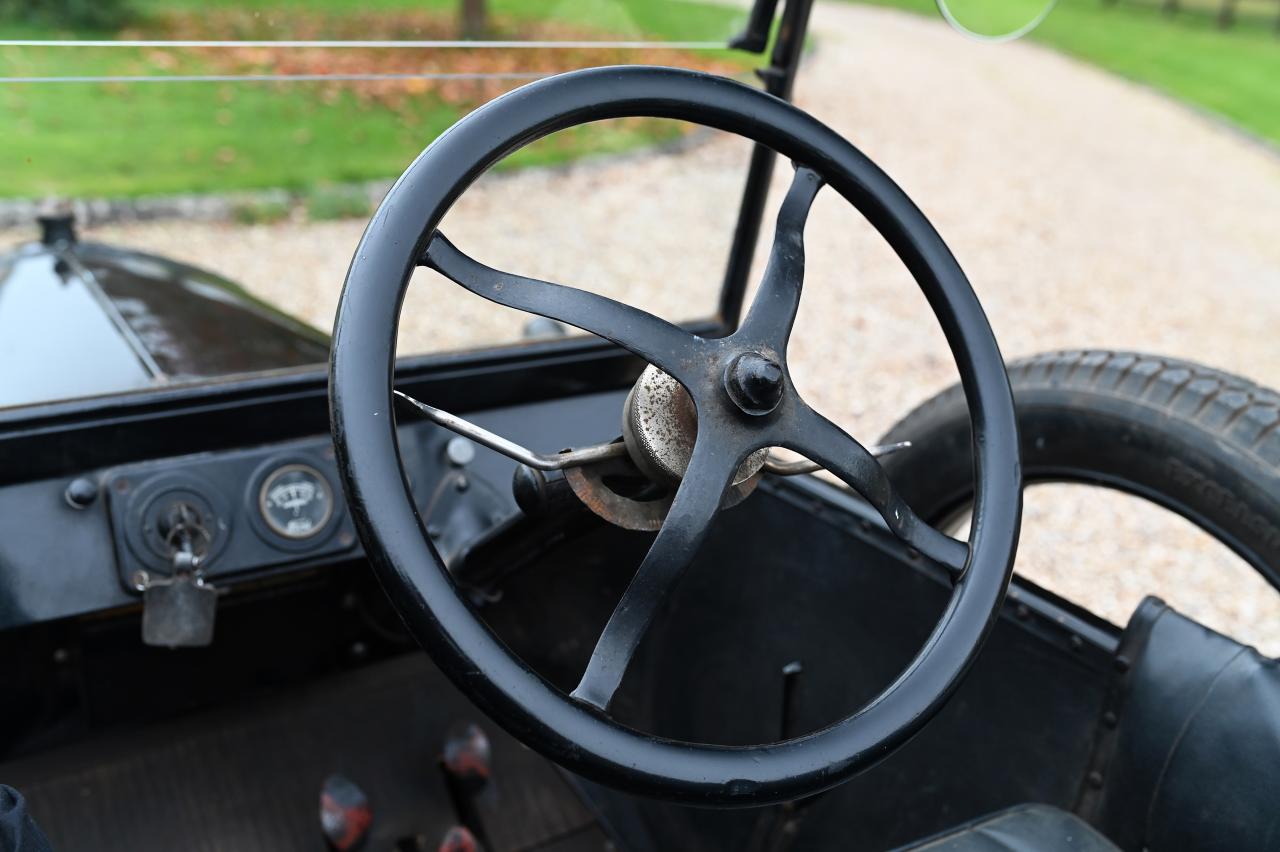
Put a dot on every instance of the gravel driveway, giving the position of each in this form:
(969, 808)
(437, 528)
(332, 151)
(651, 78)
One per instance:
(1087, 211)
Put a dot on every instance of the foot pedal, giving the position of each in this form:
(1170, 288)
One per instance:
(458, 839)
(468, 756)
(467, 762)
(345, 815)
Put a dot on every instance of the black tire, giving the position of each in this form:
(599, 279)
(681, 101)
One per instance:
(1200, 442)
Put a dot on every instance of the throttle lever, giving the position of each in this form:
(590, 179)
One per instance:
(596, 452)
(538, 461)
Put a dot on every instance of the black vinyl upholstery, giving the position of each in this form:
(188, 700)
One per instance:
(1186, 759)
(1188, 756)
(18, 831)
(1025, 828)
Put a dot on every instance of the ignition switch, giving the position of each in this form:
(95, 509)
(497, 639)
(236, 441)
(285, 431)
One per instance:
(179, 610)
(186, 538)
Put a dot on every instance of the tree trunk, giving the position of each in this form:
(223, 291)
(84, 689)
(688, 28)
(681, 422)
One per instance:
(474, 18)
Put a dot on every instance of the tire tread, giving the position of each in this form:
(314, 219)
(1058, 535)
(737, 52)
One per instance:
(1232, 409)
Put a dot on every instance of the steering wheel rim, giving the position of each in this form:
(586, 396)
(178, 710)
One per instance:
(580, 737)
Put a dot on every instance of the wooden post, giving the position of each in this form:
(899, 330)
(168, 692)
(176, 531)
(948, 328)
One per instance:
(1227, 14)
(474, 18)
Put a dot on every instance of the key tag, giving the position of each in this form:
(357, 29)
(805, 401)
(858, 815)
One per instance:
(179, 611)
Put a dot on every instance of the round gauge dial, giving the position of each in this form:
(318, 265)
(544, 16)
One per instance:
(296, 501)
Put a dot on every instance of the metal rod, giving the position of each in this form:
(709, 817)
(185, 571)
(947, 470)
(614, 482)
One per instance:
(778, 467)
(591, 454)
(779, 79)
(539, 461)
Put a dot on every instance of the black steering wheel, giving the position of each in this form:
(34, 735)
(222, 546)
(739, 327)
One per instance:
(745, 401)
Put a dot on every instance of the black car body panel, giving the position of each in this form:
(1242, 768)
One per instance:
(80, 319)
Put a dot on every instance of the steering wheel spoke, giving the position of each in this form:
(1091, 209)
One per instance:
(773, 311)
(659, 342)
(711, 470)
(834, 449)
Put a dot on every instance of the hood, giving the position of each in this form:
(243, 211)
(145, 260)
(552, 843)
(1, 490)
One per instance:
(82, 319)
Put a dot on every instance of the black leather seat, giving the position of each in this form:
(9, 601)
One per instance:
(18, 831)
(1025, 828)
(1193, 764)
(1187, 758)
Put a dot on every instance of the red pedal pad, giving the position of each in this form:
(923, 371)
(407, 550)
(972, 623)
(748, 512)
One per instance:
(345, 815)
(458, 839)
(468, 755)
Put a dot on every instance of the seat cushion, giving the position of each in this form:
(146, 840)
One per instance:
(1025, 828)
(1193, 764)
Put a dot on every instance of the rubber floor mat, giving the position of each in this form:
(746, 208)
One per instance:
(248, 777)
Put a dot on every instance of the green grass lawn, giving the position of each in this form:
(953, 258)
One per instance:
(1234, 73)
(129, 139)
(144, 139)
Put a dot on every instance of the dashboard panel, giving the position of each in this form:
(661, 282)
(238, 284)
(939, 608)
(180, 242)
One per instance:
(233, 512)
(93, 542)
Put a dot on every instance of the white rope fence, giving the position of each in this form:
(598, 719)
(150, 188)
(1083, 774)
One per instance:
(278, 78)
(329, 45)
(417, 45)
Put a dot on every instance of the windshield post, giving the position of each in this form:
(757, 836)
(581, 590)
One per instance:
(779, 79)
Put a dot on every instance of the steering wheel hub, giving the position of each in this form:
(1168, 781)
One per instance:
(754, 382)
(660, 426)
